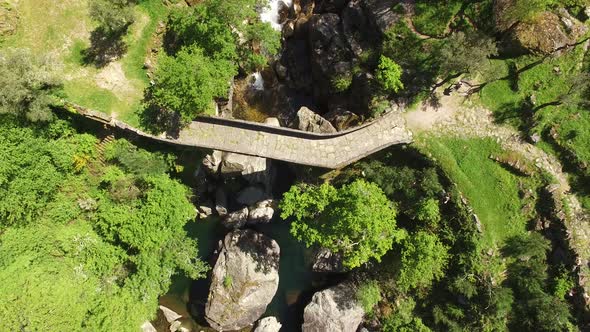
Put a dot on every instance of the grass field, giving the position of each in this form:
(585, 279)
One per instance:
(492, 191)
(61, 29)
(565, 129)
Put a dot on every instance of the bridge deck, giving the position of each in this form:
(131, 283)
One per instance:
(322, 150)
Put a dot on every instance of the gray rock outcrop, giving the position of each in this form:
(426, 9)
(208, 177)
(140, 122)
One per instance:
(220, 201)
(268, 324)
(342, 119)
(262, 212)
(381, 14)
(548, 33)
(245, 279)
(334, 309)
(310, 121)
(326, 261)
(236, 219)
(147, 327)
(272, 122)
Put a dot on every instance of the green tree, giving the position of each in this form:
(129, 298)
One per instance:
(389, 75)
(463, 53)
(228, 29)
(403, 319)
(368, 294)
(357, 220)
(535, 306)
(186, 84)
(428, 211)
(423, 260)
(112, 16)
(27, 85)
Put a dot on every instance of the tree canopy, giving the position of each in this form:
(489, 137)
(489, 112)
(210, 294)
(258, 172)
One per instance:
(112, 16)
(187, 83)
(423, 259)
(357, 220)
(27, 85)
(86, 246)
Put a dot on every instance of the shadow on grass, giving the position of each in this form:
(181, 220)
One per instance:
(105, 46)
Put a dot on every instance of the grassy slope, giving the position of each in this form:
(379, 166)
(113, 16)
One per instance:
(62, 28)
(572, 124)
(492, 191)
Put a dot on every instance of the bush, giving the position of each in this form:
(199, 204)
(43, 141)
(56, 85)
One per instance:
(368, 294)
(389, 75)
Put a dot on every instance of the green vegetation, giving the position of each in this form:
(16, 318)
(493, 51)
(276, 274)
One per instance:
(389, 74)
(356, 221)
(342, 83)
(466, 53)
(368, 295)
(434, 17)
(86, 245)
(187, 83)
(491, 189)
(227, 281)
(63, 29)
(112, 16)
(27, 85)
(548, 99)
(423, 259)
(209, 43)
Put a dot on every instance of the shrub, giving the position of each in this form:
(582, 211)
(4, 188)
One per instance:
(389, 75)
(369, 294)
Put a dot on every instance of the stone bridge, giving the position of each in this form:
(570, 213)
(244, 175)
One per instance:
(260, 140)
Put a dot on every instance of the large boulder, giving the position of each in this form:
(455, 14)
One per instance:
(236, 219)
(355, 27)
(342, 118)
(221, 201)
(262, 212)
(147, 327)
(268, 324)
(330, 54)
(334, 309)
(307, 120)
(245, 279)
(548, 33)
(253, 169)
(326, 261)
(381, 14)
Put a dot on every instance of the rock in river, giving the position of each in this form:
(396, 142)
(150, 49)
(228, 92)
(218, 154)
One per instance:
(262, 212)
(236, 219)
(310, 121)
(334, 309)
(245, 279)
(268, 324)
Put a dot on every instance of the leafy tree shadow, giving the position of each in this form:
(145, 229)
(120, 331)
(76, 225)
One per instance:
(259, 247)
(157, 120)
(104, 47)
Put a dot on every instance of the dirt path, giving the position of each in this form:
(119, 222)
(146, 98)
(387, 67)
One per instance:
(459, 117)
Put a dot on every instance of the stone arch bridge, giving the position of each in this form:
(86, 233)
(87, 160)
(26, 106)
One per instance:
(321, 150)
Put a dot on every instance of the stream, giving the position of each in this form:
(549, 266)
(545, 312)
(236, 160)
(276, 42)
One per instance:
(297, 283)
